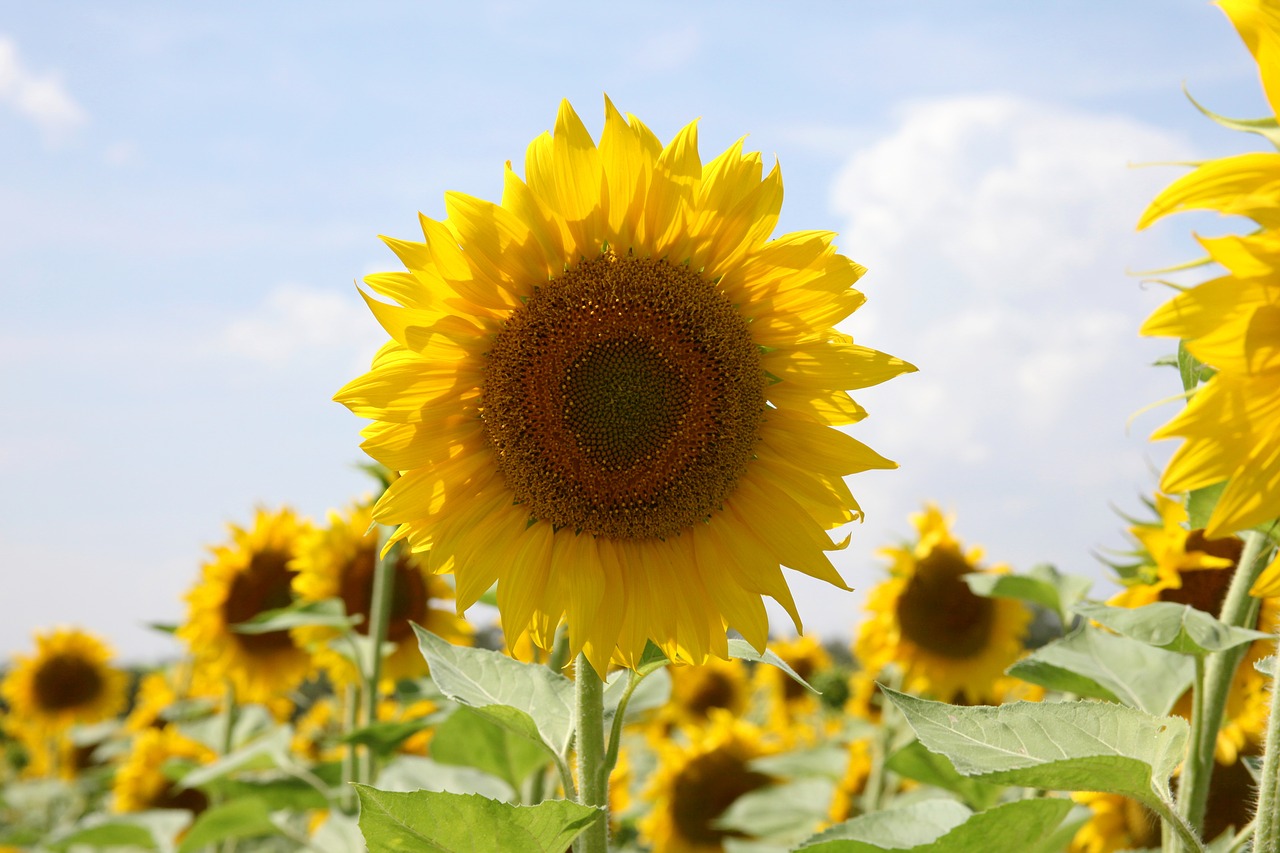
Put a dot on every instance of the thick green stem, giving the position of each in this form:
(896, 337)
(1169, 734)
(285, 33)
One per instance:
(1180, 828)
(1241, 610)
(593, 777)
(350, 720)
(379, 617)
(1200, 751)
(1266, 838)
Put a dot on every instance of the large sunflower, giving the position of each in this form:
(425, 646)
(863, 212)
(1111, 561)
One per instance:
(338, 562)
(1230, 429)
(614, 395)
(695, 784)
(247, 576)
(948, 643)
(68, 681)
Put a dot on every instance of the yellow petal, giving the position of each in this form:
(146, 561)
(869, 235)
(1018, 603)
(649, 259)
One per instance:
(1258, 22)
(1244, 185)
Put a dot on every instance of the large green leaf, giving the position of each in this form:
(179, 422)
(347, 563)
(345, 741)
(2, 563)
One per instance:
(1102, 665)
(743, 650)
(1174, 627)
(1059, 746)
(469, 739)
(1043, 585)
(328, 612)
(416, 773)
(426, 822)
(528, 699)
(653, 691)
(107, 834)
(236, 819)
(785, 813)
(913, 761)
(268, 752)
(945, 826)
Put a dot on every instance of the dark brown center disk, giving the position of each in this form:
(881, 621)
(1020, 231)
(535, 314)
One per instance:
(939, 613)
(707, 786)
(409, 598)
(624, 399)
(265, 585)
(64, 682)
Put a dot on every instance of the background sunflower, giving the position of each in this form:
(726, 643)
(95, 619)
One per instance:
(68, 681)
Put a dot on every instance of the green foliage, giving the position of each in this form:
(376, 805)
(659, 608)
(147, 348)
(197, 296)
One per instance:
(1058, 746)
(784, 814)
(415, 773)
(1174, 627)
(528, 699)
(470, 739)
(1200, 504)
(329, 612)
(1043, 585)
(236, 819)
(427, 822)
(913, 761)
(1094, 663)
(945, 826)
(743, 650)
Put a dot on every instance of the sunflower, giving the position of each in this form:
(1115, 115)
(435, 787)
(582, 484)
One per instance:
(1231, 426)
(141, 782)
(695, 784)
(1117, 823)
(615, 396)
(699, 691)
(338, 562)
(844, 804)
(247, 576)
(947, 642)
(788, 699)
(69, 681)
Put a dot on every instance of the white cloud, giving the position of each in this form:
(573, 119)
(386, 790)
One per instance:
(295, 321)
(40, 98)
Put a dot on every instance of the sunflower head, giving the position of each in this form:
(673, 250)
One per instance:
(613, 394)
(68, 681)
(141, 782)
(947, 642)
(788, 700)
(1117, 823)
(695, 784)
(338, 562)
(249, 575)
(697, 692)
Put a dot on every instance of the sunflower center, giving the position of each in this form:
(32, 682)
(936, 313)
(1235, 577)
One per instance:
(64, 682)
(704, 788)
(1206, 589)
(939, 613)
(264, 585)
(714, 690)
(408, 598)
(623, 399)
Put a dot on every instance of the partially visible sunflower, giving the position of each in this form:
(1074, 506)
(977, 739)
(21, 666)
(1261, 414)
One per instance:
(947, 642)
(1118, 823)
(697, 692)
(247, 576)
(695, 783)
(844, 803)
(616, 397)
(68, 681)
(318, 732)
(141, 783)
(338, 562)
(787, 699)
(1230, 429)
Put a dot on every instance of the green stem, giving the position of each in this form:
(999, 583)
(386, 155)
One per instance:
(379, 617)
(593, 778)
(615, 732)
(1239, 609)
(1179, 826)
(559, 650)
(1266, 837)
(1200, 751)
(350, 719)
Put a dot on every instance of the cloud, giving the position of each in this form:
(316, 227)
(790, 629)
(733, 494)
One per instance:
(997, 232)
(296, 321)
(40, 98)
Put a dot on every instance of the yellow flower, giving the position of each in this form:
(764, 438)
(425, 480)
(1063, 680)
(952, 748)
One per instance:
(844, 804)
(141, 784)
(613, 395)
(1230, 429)
(317, 735)
(338, 562)
(699, 691)
(69, 681)
(788, 700)
(1118, 823)
(247, 576)
(947, 642)
(695, 784)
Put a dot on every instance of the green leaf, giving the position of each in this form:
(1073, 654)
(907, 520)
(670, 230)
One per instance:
(786, 813)
(107, 834)
(282, 792)
(1059, 746)
(426, 822)
(269, 752)
(653, 691)
(1096, 663)
(651, 658)
(1043, 585)
(915, 762)
(163, 627)
(943, 826)
(743, 650)
(1175, 627)
(529, 699)
(329, 612)
(827, 761)
(236, 819)
(415, 773)
(471, 740)
(1200, 504)
(385, 736)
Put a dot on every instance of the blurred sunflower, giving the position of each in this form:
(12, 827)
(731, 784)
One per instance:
(247, 576)
(695, 784)
(318, 732)
(338, 562)
(947, 642)
(844, 804)
(1231, 425)
(615, 396)
(699, 691)
(69, 681)
(1117, 823)
(141, 782)
(787, 699)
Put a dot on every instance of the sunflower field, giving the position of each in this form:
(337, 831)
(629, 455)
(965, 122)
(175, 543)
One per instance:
(614, 405)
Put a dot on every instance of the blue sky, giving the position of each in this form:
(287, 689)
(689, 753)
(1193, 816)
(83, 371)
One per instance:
(187, 194)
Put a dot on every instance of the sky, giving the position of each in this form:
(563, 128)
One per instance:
(188, 194)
